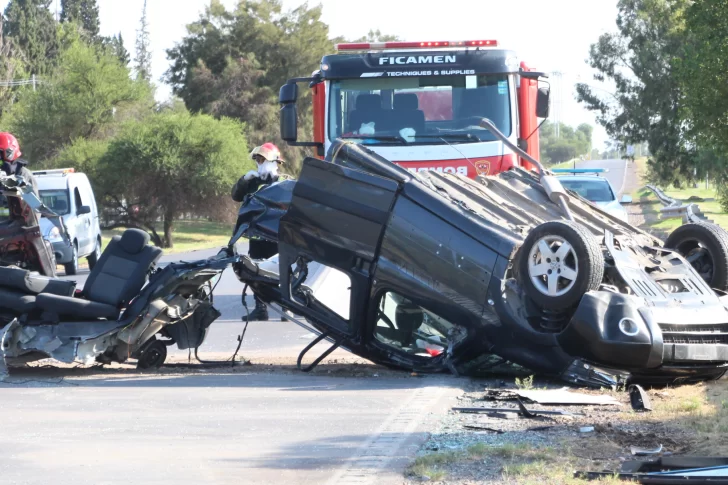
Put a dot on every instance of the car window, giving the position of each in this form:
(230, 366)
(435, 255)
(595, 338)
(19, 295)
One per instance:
(593, 190)
(411, 328)
(56, 200)
(77, 198)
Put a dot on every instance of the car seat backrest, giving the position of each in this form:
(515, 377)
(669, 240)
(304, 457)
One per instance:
(406, 112)
(60, 205)
(122, 269)
(368, 109)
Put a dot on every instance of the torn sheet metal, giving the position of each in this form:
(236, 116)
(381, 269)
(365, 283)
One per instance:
(639, 451)
(639, 399)
(563, 396)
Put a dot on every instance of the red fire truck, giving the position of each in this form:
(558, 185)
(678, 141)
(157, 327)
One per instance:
(420, 104)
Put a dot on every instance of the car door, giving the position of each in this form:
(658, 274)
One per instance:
(336, 218)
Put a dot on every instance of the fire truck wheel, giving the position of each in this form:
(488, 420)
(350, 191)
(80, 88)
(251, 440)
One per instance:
(559, 262)
(705, 246)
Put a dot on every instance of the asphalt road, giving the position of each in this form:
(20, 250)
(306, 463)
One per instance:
(616, 174)
(346, 425)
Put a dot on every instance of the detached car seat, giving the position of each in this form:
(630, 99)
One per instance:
(116, 279)
(19, 288)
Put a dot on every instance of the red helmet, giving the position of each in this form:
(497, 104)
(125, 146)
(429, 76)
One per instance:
(9, 147)
(268, 151)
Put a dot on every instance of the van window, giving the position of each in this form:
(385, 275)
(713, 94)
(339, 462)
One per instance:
(56, 200)
(77, 198)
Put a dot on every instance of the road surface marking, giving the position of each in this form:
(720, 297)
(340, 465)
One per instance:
(376, 453)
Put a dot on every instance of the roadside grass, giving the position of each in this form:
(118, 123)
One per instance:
(189, 235)
(520, 463)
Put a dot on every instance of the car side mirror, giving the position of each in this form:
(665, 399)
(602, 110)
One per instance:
(542, 102)
(626, 199)
(289, 122)
(288, 93)
(84, 209)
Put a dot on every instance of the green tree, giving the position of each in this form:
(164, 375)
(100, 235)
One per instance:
(286, 44)
(377, 36)
(238, 92)
(169, 164)
(143, 58)
(31, 26)
(115, 45)
(569, 143)
(86, 96)
(83, 12)
(638, 60)
(701, 72)
(11, 67)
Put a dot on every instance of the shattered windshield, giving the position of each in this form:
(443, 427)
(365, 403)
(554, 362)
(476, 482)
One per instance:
(56, 200)
(593, 190)
(421, 110)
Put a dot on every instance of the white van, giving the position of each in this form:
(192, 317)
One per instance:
(69, 195)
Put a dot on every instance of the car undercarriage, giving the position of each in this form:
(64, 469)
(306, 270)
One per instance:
(437, 272)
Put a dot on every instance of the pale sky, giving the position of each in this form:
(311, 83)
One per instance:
(550, 35)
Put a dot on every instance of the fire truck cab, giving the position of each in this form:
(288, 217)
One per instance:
(420, 104)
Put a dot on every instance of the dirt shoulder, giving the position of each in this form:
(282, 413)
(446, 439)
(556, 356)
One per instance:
(475, 448)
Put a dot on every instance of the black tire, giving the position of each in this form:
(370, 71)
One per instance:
(153, 355)
(72, 267)
(585, 261)
(93, 258)
(713, 264)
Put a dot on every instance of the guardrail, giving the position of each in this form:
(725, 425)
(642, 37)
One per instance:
(676, 208)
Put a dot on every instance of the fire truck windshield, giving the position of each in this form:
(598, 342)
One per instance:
(419, 110)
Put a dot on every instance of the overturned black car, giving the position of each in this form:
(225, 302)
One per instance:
(435, 272)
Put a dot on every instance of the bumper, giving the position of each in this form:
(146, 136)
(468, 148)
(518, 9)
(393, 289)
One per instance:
(63, 252)
(615, 330)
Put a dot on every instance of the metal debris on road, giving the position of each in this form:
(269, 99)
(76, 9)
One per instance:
(639, 399)
(638, 451)
(564, 396)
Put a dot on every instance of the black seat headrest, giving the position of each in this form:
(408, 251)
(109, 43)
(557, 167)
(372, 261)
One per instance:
(406, 101)
(133, 240)
(368, 102)
(60, 205)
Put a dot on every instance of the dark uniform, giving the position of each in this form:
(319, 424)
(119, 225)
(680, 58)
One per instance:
(267, 158)
(21, 169)
(259, 248)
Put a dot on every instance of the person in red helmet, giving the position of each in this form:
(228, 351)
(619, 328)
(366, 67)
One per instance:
(12, 164)
(267, 157)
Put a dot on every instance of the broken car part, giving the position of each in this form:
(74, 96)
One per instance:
(526, 413)
(114, 319)
(639, 398)
(563, 396)
(21, 241)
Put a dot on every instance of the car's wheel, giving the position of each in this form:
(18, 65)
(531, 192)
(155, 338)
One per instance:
(153, 355)
(72, 267)
(93, 258)
(559, 262)
(705, 246)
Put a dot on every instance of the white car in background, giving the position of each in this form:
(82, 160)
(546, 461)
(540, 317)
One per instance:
(595, 189)
(69, 194)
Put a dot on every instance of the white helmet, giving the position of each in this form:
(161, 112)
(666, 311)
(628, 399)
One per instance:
(268, 151)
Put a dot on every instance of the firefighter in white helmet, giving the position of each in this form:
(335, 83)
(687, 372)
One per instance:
(267, 158)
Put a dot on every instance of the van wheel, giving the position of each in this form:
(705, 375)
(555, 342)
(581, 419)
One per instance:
(93, 258)
(72, 267)
(559, 262)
